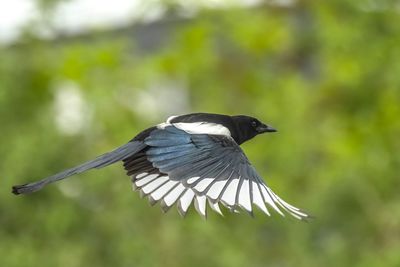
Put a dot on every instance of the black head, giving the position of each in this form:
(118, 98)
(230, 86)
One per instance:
(247, 127)
(242, 128)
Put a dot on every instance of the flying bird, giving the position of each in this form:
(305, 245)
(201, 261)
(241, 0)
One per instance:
(191, 158)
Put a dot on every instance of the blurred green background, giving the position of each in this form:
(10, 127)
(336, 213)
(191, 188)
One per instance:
(326, 74)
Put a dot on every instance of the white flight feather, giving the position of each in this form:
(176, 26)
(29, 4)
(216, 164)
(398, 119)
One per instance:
(229, 195)
(154, 184)
(172, 196)
(257, 198)
(244, 196)
(200, 205)
(146, 179)
(186, 199)
(163, 190)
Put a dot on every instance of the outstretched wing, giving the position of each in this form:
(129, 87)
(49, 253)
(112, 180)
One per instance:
(205, 168)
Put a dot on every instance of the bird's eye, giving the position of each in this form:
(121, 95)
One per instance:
(254, 124)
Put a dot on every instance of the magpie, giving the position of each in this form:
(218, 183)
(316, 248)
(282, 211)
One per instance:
(191, 158)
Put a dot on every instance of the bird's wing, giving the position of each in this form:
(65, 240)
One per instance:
(104, 160)
(205, 168)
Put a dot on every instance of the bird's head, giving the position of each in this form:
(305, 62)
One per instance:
(247, 127)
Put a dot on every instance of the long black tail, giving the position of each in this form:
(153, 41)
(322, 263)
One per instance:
(104, 160)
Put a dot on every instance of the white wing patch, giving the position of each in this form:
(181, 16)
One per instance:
(229, 195)
(203, 184)
(163, 190)
(150, 187)
(200, 205)
(244, 196)
(235, 187)
(215, 207)
(173, 196)
(193, 179)
(197, 127)
(170, 119)
(145, 179)
(257, 198)
(185, 201)
(203, 128)
(229, 192)
(215, 189)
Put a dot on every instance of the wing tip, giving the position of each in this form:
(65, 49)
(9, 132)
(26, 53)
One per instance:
(307, 217)
(164, 207)
(215, 207)
(152, 201)
(199, 207)
(181, 211)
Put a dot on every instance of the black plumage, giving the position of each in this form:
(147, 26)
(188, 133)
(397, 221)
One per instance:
(194, 157)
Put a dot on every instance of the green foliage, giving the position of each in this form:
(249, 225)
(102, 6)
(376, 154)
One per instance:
(326, 74)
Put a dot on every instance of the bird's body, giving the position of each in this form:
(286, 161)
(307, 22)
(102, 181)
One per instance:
(194, 157)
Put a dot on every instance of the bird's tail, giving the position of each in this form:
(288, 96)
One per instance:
(117, 154)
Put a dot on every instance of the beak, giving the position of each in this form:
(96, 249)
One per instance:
(265, 129)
